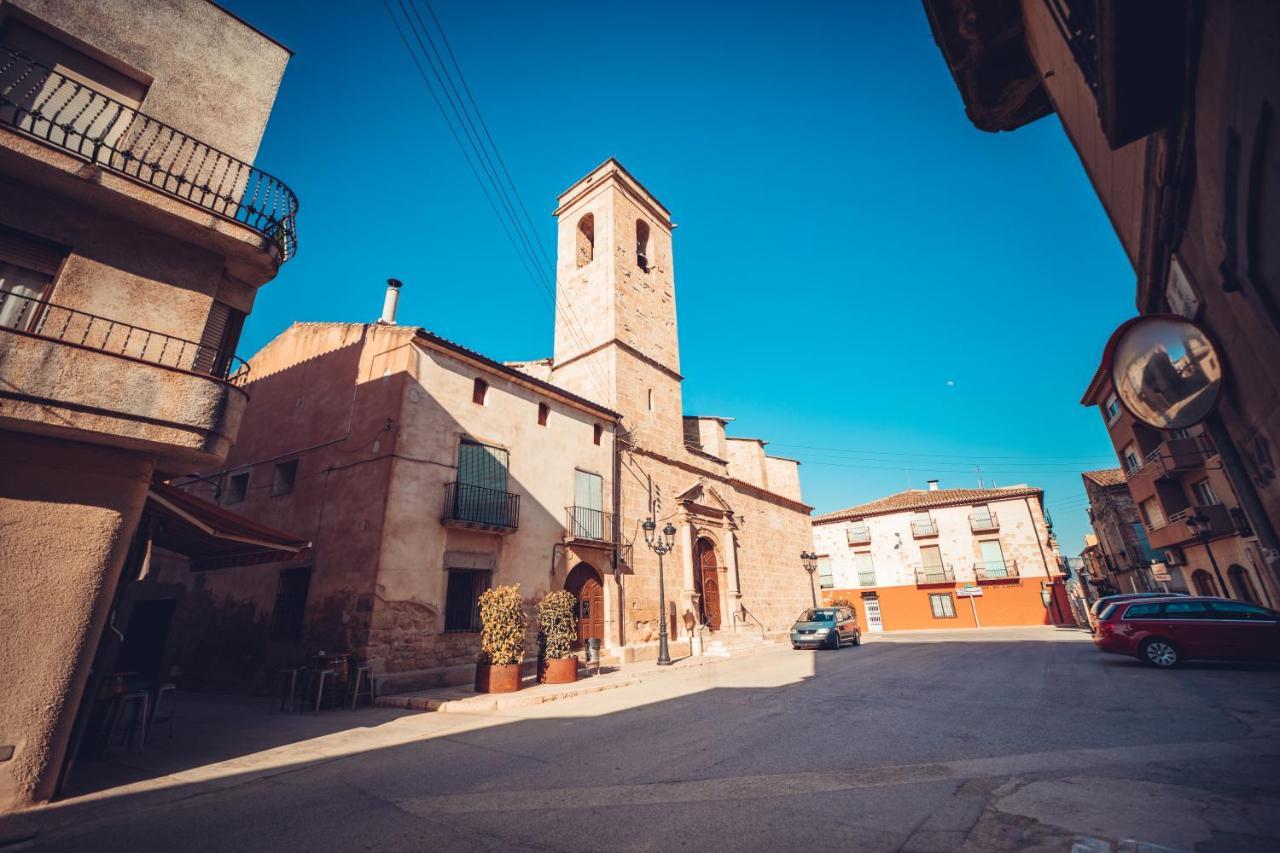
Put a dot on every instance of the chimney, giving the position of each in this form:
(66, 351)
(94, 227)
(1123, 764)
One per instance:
(389, 304)
(933, 485)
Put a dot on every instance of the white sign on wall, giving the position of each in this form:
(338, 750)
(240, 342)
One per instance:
(969, 591)
(1179, 293)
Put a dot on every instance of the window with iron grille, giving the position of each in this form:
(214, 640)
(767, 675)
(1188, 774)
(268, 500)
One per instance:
(290, 610)
(462, 599)
(865, 567)
(943, 605)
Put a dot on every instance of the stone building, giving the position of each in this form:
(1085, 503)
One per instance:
(1171, 107)
(424, 472)
(944, 558)
(1122, 558)
(1182, 503)
(134, 234)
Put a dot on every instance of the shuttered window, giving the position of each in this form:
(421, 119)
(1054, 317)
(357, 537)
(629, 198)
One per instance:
(218, 340)
(27, 267)
(482, 484)
(588, 505)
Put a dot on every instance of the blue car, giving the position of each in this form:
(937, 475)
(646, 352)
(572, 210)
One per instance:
(826, 628)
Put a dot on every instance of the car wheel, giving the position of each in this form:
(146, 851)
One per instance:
(1158, 652)
(857, 639)
(835, 641)
(794, 647)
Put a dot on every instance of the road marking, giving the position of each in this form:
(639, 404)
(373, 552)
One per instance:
(827, 781)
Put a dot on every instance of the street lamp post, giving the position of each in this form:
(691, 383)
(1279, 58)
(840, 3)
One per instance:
(810, 562)
(661, 545)
(1199, 525)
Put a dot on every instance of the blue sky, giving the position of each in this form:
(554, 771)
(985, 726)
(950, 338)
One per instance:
(863, 278)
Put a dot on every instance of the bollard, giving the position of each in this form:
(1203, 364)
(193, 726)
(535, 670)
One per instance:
(592, 647)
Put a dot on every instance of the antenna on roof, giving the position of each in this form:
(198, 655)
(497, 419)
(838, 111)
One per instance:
(979, 467)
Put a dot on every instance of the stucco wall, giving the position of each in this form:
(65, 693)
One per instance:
(219, 87)
(67, 515)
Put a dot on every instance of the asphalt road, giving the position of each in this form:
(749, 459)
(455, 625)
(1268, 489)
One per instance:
(1021, 740)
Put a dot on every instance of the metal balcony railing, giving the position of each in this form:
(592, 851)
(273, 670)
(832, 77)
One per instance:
(992, 570)
(934, 573)
(858, 534)
(585, 523)
(477, 506)
(40, 102)
(924, 528)
(30, 316)
(866, 578)
(980, 522)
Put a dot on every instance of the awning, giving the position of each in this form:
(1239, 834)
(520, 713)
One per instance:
(212, 537)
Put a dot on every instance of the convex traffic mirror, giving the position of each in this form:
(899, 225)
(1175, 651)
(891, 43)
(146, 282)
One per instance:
(1166, 371)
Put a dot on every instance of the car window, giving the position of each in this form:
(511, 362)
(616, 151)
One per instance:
(1142, 611)
(1240, 610)
(1107, 611)
(1185, 610)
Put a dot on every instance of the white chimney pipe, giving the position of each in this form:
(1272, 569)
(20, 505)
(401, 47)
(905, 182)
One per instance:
(933, 485)
(391, 302)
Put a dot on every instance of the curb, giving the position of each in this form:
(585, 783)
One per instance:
(490, 702)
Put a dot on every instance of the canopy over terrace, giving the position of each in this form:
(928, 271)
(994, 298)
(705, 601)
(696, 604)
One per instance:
(212, 537)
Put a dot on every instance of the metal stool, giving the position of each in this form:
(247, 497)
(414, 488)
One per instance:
(320, 678)
(138, 702)
(286, 696)
(370, 688)
(162, 691)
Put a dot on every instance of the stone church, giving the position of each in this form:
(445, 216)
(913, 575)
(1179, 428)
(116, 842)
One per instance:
(741, 518)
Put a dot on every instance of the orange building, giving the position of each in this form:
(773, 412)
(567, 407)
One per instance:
(944, 558)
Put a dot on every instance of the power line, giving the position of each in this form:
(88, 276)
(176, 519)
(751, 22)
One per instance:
(931, 455)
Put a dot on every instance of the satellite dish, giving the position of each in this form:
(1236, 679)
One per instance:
(1166, 371)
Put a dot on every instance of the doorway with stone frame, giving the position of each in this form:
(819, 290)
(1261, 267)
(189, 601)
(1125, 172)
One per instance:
(706, 580)
(585, 585)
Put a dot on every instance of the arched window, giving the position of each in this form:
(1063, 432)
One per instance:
(642, 244)
(1241, 585)
(1203, 582)
(586, 239)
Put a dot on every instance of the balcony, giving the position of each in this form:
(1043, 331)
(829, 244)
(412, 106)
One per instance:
(1175, 531)
(479, 508)
(986, 571)
(38, 102)
(858, 534)
(866, 579)
(933, 574)
(1170, 458)
(104, 381)
(586, 525)
(984, 522)
(924, 529)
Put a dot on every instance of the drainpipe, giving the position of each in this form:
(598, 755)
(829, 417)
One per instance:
(615, 534)
(1053, 599)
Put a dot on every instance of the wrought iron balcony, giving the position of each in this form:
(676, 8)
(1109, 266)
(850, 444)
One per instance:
(584, 523)
(920, 529)
(1215, 521)
(480, 508)
(995, 570)
(41, 103)
(934, 573)
(30, 316)
(866, 578)
(983, 522)
(858, 533)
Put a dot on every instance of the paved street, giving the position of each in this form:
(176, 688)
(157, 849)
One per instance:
(1021, 739)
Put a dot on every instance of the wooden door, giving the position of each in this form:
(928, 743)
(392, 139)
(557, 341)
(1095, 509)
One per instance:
(591, 611)
(709, 586)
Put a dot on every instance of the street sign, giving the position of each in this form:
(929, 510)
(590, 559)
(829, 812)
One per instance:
(969, 591)
(1160, 572)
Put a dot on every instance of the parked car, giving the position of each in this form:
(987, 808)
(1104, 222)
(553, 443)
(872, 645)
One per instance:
(1106, 600)
(826, 627)
(1164, 632)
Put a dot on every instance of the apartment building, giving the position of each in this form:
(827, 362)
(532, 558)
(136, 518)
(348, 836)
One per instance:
(1120, 556)
(1171, 107)
(1199, 539)
(134, 234)
(944, 558)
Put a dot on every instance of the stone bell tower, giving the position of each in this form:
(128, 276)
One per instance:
(616, 339)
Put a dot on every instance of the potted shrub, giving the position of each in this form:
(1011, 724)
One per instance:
(502, 630)
(559, 632)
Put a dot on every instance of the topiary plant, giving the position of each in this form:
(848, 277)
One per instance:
(502, 623)
(559, 628)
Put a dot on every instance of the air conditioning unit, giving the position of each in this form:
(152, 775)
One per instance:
(1174, 557)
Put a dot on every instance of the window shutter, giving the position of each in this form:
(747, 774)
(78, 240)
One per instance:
(30, 252)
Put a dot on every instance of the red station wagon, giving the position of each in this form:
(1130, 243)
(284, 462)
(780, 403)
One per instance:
(1163, 633)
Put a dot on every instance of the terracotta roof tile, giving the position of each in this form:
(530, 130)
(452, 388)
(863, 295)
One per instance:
(1105, 477)
(925, 498)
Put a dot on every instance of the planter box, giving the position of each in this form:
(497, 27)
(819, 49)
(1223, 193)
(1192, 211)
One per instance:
(499, 678)
(560, 671)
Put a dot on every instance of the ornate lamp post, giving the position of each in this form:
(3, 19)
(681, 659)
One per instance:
(1200, 529)
(661, 545)
(809, 560)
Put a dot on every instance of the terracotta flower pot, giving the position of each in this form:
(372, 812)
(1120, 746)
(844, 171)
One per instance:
(497, 678)
(560, 670)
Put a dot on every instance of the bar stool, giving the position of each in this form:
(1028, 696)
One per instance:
(363, 684)
(137, 703)
(322, 678)
(286, 675)
(170, 690)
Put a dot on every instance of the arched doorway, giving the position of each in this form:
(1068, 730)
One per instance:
(1203, 582)
(706, 583)
(1238, 577)
(585, 585)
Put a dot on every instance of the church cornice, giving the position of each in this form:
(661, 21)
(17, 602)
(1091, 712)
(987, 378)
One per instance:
(742, 485)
